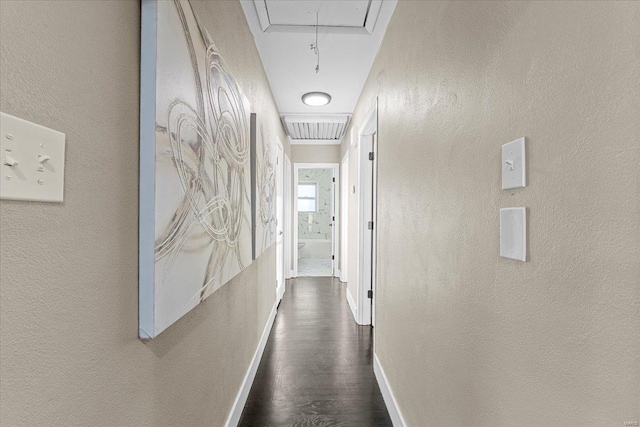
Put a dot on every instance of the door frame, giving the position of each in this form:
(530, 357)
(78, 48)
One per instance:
(288, 208)
(344, 218)
(367, 266)
(336, 208)
(280, 221)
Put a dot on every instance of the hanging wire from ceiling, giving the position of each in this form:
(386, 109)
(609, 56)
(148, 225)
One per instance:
(314, 46)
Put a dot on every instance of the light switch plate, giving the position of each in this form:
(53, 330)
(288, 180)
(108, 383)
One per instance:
(31, 161)
(513, 233)
(513, 165)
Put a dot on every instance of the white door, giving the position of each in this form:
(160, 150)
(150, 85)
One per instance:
(367, 228)
(280, 286)
(334, 229)
(374, 219)
(367, 220)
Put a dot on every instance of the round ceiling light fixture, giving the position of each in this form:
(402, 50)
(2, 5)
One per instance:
(316, 99)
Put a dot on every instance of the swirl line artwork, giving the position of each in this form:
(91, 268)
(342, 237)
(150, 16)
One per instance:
(264, 187)
(201, 180)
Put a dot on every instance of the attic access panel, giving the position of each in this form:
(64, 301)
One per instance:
(355, 16)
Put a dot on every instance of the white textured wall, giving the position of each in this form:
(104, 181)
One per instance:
(69, 353)
(468, 338)
(315, 154)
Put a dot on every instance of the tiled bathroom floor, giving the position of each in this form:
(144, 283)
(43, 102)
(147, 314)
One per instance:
(314, 267)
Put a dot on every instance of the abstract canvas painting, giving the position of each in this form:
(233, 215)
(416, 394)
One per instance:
(195, 171)
(264, 188)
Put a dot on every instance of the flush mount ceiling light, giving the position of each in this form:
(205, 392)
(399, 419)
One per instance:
(316, 99)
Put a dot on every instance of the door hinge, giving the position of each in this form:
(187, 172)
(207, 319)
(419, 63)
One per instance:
(370, 225)
(370, 294)
(333, 257)
(334, 180)
(333, 218)
(371, 155)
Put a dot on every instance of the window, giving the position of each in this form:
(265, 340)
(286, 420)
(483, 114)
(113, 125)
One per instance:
(307, 197)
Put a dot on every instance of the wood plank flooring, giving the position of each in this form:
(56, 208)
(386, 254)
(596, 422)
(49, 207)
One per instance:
(317, 368)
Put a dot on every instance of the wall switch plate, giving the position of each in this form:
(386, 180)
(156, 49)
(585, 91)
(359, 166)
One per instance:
(513, 165)
(31, 161)
(513, 233)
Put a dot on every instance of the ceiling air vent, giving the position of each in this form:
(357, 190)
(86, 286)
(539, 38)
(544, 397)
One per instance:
(326, 129)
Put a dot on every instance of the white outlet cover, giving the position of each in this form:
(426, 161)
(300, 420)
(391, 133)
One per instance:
(513, 233)
(31, 161)
(513, 165)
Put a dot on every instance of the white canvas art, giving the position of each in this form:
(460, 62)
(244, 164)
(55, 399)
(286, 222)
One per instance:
(264, 188)
(195, 194)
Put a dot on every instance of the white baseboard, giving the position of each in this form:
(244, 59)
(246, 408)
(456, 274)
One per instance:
(245, 388)
(343, 277)
(387, 394)
(352, 305)
(280, 290)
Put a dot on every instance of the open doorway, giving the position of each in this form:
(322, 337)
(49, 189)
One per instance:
(315, 219)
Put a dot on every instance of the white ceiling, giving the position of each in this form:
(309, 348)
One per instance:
(349, 37)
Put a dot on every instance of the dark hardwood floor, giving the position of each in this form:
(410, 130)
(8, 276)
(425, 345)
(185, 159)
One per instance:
(317, 366)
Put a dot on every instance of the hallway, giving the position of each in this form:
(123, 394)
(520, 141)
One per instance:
(317, 367)
(453, 184)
